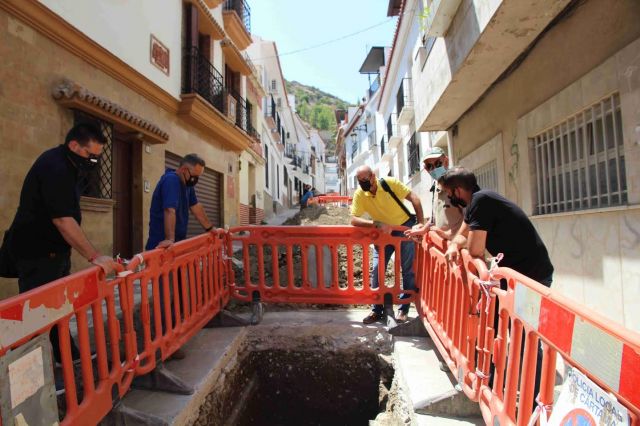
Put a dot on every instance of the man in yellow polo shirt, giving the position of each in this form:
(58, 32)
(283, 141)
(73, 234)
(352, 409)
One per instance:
(386, 209)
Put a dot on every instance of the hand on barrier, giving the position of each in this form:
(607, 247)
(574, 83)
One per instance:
(108, 264)
(417, 231)
(165, 244)
(453, 254)
(383, 227)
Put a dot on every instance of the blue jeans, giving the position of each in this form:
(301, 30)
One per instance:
(407, 254)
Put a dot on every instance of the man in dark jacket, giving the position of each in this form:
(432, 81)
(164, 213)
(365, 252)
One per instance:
(496, 224)
(47, 223)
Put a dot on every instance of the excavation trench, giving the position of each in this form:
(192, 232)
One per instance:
(305, 375)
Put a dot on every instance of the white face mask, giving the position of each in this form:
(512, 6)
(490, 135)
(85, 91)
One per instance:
(438, 172)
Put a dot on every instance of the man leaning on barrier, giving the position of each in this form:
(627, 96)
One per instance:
(47, 223)
(386, 210)
(173, 198)
(445, 218)
(496, 224)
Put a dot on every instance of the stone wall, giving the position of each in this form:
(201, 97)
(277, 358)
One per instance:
(31, 122)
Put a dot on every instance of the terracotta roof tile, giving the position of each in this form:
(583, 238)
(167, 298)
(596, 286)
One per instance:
(70, 90)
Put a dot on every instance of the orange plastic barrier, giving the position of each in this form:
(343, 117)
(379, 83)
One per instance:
(84, 297)
(336, 200)
(448, 308)
(607, 353)
(325, 273)
(181, 289)
(458, 307)
(488, 335)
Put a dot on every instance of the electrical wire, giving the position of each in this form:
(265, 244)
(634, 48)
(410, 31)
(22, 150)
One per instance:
(335, 40)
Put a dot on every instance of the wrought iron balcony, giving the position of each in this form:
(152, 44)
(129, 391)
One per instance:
(241, 7)
(404, 97)
(392, 126)
(289, 151)
(404, 102)
(201, 77)
(413, 155)
(251, 131)
(240, 108)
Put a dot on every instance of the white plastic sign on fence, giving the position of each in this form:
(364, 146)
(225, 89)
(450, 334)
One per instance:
(582, 402)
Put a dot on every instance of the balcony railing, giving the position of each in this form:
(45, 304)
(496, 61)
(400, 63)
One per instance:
(413, 155)
(201, 77)
(392, 126)
(241, 7)
(404, 97)
(270, 111)
(241, 108)
(289, 151)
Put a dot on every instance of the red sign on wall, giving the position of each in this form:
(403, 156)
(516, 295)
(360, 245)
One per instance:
(159, 55)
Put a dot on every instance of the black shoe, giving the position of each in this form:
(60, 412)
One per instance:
(373, 317)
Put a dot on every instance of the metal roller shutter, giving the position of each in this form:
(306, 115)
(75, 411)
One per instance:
(208, 191)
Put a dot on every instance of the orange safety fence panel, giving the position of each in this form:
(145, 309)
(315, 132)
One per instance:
(529, 313)
(336, 200)
(98, 313)
(496, 360)
(180, 289)
(448, 310)
(314, 264)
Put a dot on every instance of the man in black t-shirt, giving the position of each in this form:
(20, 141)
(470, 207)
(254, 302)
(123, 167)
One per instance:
(496, 224)
(47, 223)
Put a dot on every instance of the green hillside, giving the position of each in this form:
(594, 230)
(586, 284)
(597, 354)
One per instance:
(317, 108)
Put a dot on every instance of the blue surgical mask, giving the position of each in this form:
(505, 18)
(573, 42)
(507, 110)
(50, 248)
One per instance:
(438, 172)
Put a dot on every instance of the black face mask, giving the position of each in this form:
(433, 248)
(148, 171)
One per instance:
(457, 202)
(365, 185)
(84, 164)
(192, 180)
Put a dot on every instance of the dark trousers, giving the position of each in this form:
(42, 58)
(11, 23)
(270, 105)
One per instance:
(503, 285)
(33, 273)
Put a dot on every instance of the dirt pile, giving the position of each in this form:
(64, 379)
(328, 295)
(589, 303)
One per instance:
(314, 215)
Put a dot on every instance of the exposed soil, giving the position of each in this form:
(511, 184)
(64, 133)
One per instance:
(311, 375)
(313, 215)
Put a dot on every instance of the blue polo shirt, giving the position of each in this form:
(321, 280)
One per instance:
(170, 193)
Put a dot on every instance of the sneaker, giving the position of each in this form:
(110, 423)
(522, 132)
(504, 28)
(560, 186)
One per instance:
(402, 317)
(373, 317)
(178, 354)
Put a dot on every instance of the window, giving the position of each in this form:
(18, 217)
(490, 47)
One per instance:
(273, 85)
(278, 181)
(286, 176)
(279, 102)
(580, 163)
(487, 176)
(96, 183)
(413, 155)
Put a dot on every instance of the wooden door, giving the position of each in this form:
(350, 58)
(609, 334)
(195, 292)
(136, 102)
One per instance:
(122, 195)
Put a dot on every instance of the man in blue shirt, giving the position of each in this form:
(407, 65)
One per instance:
(172, 200)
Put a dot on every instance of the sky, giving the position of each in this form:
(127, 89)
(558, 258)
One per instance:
(299, 24)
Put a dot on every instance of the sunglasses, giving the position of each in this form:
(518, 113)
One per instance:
(430, 166)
